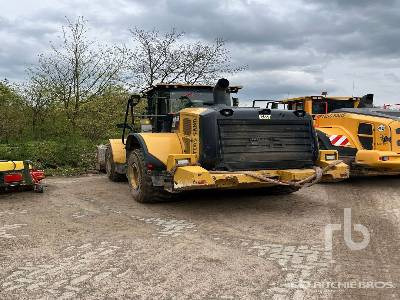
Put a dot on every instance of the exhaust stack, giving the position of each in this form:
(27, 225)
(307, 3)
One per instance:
(367, 101)
(221, 96)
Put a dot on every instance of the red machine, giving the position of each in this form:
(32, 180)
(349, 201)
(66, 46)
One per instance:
(17, 175)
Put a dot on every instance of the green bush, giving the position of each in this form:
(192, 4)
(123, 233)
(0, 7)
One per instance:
(64, 157)
(43, 133)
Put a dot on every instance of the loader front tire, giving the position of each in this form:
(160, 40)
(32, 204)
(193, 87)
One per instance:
(140, 183)
(110, 167)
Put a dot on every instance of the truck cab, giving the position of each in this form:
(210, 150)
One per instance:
(366, 137)
(319, 105)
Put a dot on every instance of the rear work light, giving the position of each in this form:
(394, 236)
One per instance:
(182, 162)
(384, 158)
(13, 178)
(330, 157)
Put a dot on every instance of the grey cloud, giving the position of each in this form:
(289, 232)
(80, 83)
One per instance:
(254, 24)
(278, 84)
(329, 28)
(21, 42)
(325, 42)
(392, 76)
(356, 4)
(273, 58)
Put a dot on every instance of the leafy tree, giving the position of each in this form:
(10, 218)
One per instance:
(99, 117)
(41, 106)
(12, 108)
(78, 69)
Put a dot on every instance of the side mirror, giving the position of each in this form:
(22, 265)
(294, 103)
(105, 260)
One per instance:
(134, 99)
(235, 101)
(274, 105)
(122, 126)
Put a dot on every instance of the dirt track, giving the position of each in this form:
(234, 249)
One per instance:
(86, 238)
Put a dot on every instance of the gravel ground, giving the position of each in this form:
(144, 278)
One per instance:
(86, 238)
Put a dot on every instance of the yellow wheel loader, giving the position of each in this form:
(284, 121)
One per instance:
(366, 138)
(194, 138)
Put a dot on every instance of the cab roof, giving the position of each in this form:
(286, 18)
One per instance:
(321, 97)
(170, 86)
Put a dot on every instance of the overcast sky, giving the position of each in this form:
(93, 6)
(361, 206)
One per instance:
(291, 47)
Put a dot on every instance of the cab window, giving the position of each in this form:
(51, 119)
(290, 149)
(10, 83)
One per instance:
(296, 105)
(366, 135)
(179, 104)
(338, 104)
(180, 99)
(319, 107)
(160, 101)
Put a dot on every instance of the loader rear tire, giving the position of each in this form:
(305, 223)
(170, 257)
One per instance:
(110, 167)
(140, 183)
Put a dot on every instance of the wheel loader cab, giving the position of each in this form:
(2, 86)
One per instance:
(165, 101)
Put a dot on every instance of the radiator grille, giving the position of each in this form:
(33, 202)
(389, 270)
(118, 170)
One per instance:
(187, 126)
(186, 142)
(274, 144)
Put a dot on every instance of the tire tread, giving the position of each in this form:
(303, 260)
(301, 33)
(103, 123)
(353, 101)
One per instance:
(147, 193)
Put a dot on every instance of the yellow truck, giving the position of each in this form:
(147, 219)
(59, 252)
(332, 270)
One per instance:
(367, 138)
(194, 138)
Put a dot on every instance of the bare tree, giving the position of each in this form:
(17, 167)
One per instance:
(78, 69)
(168, 58)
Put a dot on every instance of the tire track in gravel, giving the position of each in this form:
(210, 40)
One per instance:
(76, 269)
